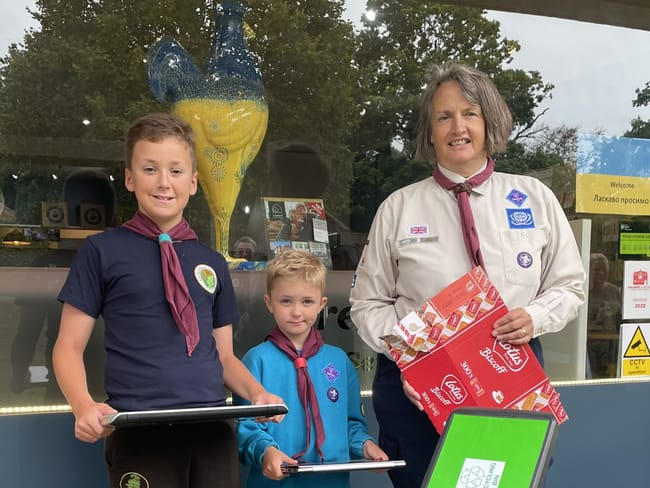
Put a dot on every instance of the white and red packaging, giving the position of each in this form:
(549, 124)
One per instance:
(446, 351)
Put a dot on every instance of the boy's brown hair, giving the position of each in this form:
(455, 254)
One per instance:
(155, 127)
(296, 265)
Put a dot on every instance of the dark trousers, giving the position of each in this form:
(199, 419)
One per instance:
(404, 431)
(201, 455)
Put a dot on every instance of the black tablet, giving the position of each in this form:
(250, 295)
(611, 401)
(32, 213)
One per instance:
(184, 415)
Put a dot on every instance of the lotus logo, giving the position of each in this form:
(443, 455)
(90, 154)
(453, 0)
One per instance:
(454, 389)
(514, 357)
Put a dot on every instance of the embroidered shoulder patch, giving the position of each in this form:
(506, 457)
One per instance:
(206, 277)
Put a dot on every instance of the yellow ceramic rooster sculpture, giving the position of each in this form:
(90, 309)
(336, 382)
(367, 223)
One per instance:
(225, 106)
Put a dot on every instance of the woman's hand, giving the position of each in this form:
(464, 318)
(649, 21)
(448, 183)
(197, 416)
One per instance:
(411, 394)
(515, 327)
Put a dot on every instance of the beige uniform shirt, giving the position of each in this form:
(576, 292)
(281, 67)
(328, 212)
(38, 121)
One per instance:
(415, 248)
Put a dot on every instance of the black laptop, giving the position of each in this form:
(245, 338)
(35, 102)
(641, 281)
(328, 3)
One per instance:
(186, 415)
(496, 448)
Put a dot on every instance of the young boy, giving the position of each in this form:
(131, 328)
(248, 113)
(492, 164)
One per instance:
(317, 381)
(168, 304)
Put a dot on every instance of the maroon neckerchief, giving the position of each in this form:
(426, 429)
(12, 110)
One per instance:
(306, 390)
(462, 191)
(176, 291)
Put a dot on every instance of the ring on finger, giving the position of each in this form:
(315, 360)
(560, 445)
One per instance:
(523, 332)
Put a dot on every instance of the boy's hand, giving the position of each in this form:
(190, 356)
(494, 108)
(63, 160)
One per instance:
(373, 452)
(87, 426)
(266, 398)
(272, 463)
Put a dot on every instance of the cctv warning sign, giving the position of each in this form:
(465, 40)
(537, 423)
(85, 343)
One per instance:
(638, 347)
(635, 359)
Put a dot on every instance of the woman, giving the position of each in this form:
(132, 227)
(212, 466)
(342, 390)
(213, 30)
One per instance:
(293, 227)
(430, 233)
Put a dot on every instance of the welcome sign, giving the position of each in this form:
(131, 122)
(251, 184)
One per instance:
(613, 175)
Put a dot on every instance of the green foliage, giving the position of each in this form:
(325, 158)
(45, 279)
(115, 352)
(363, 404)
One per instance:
(352, 95)
(640, 128)
(551, 158)
(306, 53)
(379, 173)
(514, 159)
(642, 96)
(87, 62)
(523, 92)
(407, 37)
(394, 52)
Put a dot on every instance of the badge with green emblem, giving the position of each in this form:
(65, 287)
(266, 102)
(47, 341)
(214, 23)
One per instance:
(133, 480)
(206, 277)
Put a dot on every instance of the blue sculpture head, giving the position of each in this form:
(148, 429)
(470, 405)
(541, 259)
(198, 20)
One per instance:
(231, 71)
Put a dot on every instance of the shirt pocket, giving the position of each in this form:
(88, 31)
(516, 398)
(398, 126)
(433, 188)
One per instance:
(522, 255)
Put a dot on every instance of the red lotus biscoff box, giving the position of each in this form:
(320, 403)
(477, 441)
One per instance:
(446, 351)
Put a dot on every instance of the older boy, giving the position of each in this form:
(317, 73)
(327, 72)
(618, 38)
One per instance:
(168, 304)
(317, 381)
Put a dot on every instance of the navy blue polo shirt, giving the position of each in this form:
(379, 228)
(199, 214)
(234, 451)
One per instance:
(117, 274)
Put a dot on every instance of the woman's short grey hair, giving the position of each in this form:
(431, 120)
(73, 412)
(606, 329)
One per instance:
(478, 89)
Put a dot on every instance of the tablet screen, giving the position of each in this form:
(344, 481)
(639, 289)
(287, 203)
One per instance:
(492, 448)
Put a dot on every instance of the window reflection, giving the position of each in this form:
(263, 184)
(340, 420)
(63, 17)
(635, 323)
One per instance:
(341, 102)
(603, 318)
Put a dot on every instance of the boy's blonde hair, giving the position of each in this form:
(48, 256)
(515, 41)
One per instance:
(297, 265)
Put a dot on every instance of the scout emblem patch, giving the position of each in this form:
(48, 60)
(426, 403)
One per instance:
(524, 259)
(206, 277)
(133, 480)
(520, 218)
(517, 197)
(331, 373)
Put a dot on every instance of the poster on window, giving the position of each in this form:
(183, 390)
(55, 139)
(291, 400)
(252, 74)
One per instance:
(636, 290)
(297, 224)
(612, 175)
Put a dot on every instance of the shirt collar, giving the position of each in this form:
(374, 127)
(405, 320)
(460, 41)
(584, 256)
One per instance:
(456, 178)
